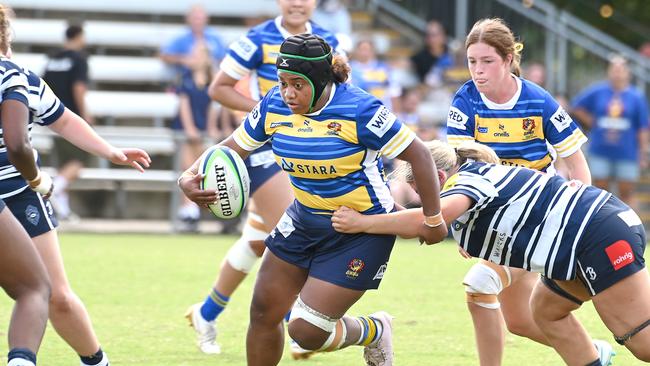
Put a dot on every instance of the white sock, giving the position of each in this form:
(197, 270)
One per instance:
(20, 362)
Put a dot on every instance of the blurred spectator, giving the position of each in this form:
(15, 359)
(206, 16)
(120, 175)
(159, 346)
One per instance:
(536, 73)
(66, 72)
(197, 120)
(645, 49)
(373, 75)
(179, 51)
(434, 58)
(616, 112)
(333, 15)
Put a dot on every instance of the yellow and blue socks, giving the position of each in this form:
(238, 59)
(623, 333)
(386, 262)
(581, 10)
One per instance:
(213, 305)
(371, 330)
(21, 357)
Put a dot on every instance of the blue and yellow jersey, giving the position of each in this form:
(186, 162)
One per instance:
(376, 78)
(332, 156)
(258, 50)
(520, 130)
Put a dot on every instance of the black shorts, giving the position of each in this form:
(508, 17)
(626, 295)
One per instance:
(612, 247)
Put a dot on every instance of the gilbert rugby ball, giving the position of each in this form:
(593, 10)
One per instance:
(225, 172)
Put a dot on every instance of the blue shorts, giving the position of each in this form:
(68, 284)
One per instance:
(307, 240)
(608, 168)
(261, 166)
(611, 248)
(2, 205)
(33, 211)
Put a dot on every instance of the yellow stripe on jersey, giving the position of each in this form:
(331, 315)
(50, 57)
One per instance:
(457, 140)
(270, 52)
(518, 129)
(535, 164)
(231, 65)
(244, 140)
(265, 85)
(322, 169)
(404, 136)
(569, 145)
(302, 126)
(358, 199)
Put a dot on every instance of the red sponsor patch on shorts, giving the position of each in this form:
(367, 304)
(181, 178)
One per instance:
(620, 254)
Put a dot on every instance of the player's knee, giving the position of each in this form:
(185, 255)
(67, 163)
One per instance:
(313, 330)
(520, 327)
(62, 301)
(306, 334)
(243, 255)
(484, 283)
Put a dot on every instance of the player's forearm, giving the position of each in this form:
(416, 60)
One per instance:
(78, 132)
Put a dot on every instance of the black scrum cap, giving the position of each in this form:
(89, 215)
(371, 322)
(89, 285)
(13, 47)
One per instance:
(309, 56)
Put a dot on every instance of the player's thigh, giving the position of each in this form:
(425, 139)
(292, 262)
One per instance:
(626, 305)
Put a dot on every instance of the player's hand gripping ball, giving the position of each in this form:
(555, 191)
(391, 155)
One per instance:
(225, 172)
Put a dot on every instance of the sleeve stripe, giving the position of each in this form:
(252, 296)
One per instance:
(398, 136)
(569, 140)
(570, 144)
(403, 143)
(246, 142)
(573, 148)
(233, 68)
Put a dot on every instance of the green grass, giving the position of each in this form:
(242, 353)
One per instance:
(137, 288)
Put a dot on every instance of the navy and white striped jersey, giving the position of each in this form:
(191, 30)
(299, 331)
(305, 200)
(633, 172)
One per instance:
(523, 218)
(44, 109)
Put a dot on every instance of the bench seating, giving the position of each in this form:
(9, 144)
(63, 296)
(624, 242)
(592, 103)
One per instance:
(109, 33)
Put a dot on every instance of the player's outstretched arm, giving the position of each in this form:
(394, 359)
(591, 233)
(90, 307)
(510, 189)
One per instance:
(73, 128)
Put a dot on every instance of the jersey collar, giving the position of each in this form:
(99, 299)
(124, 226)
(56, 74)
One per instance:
(285, 33)
(507, 105)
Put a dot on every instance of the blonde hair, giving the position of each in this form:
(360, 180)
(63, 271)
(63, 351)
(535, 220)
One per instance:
(5, 29)
(494, 32)
(447, 157)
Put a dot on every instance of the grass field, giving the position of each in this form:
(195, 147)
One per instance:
(138, 287)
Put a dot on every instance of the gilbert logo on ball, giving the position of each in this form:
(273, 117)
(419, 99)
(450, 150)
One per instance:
(225, 172)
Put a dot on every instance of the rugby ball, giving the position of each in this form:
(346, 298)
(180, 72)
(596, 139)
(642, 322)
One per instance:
(225, 172)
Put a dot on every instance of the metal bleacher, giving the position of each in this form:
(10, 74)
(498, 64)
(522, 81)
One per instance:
(135, 112)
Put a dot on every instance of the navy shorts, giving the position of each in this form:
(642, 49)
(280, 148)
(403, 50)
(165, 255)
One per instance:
(261, 166)
(612, 246)
(33, 211)
(307, 240)
(2, 205)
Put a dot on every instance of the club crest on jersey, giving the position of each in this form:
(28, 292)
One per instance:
(354, 268)
(528, 125)
(334, 128)
(32, 215)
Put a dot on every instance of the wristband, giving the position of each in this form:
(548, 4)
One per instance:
(434, 221)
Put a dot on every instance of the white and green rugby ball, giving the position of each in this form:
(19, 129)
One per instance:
(225, 172)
